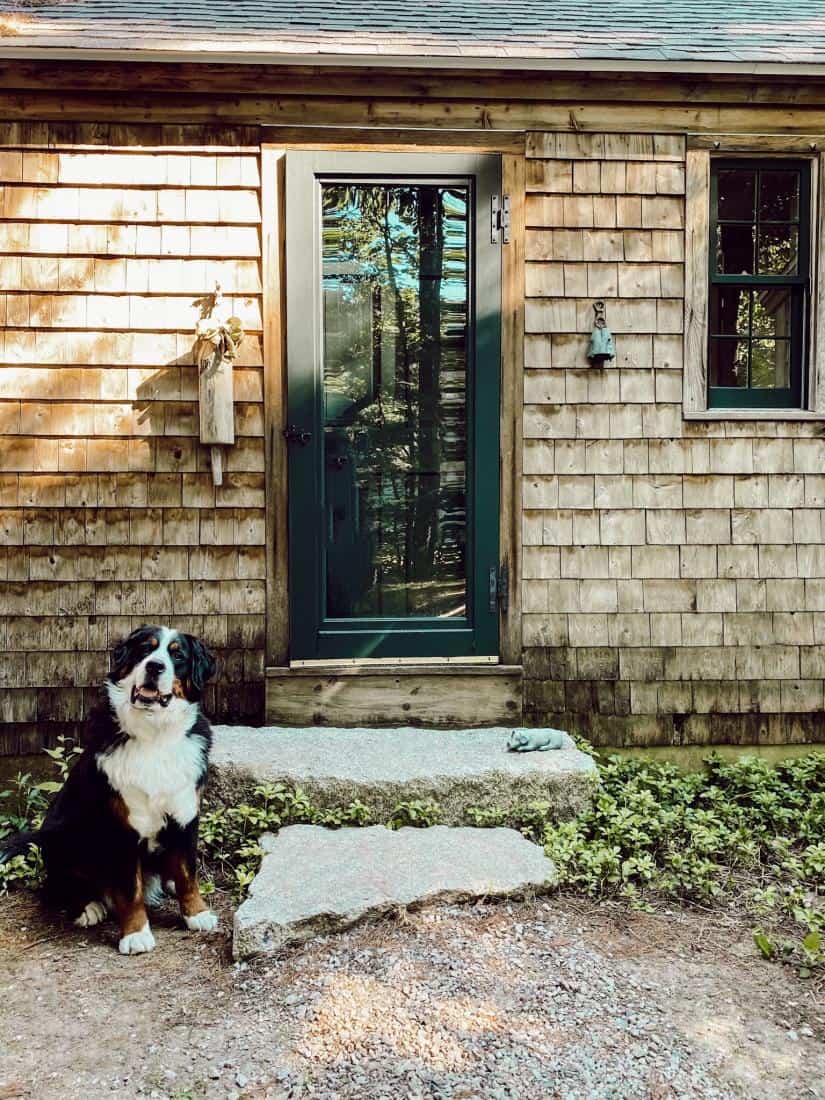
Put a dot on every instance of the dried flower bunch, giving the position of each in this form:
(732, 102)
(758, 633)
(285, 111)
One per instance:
(225, 336)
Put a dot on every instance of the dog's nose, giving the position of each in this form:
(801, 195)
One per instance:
(154, 668)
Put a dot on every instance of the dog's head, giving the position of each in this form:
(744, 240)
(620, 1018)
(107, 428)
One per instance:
(517, 739)
(157, 668)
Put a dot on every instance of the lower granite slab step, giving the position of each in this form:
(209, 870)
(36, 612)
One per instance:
(458, 769)
(316, 881)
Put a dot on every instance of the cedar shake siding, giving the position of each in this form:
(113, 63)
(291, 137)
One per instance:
(667, 566)
(109, 515)
(674, 570)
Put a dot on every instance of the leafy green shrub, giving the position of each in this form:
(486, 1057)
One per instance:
(418, 813)
(485, 817)
(63, 757)
(746, 833)
(22, 806)
(230, 834)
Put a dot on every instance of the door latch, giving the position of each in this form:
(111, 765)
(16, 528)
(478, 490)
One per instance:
(499, 588)
(500, 219)
(296, 435)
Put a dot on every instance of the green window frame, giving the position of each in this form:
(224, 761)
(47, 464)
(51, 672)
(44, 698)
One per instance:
(746, 294)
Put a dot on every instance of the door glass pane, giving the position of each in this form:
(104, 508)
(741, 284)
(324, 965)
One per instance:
(395, 354)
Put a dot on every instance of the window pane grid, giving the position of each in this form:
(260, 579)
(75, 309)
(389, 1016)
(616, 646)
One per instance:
(758, 281)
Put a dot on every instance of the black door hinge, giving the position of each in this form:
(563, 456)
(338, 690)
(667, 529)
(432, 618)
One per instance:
(499, 591)
(500, 219)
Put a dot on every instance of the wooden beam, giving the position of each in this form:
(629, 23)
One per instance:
(697, 246)
(375, 139)
(816, 389)
(398, 667)
(451, 696)
(512, 405)
(57, 136)
(774, 144)
(348, 82)
(486, 114)
(274, 311)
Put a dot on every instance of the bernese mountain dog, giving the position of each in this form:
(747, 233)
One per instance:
(124, 828)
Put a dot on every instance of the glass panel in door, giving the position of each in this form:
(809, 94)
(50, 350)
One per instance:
(395, 345)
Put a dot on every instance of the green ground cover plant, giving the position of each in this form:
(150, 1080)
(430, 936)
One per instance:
(746, 835)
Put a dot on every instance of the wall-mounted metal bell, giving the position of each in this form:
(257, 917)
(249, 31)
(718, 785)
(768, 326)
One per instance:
(601, 348)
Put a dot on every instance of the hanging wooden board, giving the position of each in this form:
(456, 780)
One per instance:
(215, 383)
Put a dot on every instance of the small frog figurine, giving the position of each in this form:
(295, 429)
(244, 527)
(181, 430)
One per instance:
(535, 740)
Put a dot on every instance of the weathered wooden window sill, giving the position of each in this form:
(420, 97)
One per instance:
(437, 666)
(753, 414)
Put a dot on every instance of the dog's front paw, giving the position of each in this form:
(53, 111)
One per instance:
(207, 921)
(136, 943)
(93, 914)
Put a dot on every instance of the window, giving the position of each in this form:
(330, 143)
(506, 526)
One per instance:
(759, 282)
(754, 325)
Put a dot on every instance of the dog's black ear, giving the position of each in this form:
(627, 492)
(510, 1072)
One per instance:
(119, 658)
(203, 663)
(123, 650)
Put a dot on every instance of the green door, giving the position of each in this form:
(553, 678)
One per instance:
(393, 351)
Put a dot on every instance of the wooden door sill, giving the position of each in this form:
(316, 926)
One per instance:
(447, 695)
(444, 667)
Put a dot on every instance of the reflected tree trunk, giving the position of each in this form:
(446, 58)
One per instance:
(402, 383)
(386, 365)
(424, 525)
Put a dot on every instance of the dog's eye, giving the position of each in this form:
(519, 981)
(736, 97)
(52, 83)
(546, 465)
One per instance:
(177, 657)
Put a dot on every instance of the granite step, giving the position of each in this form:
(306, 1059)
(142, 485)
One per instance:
(315, 881)
(458, 769)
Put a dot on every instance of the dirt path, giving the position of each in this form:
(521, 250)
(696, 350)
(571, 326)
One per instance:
(555, 998)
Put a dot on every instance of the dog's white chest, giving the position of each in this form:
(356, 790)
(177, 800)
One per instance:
(148, 812)
(156, 781)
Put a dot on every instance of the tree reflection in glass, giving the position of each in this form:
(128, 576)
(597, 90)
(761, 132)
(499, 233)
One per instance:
(757, 240)
(395, 355)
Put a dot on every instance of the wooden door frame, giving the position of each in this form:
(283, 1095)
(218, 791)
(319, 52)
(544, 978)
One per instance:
(273, 163)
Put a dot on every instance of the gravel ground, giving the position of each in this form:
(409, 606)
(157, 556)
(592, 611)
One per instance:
(496, 1010)
(546, 999)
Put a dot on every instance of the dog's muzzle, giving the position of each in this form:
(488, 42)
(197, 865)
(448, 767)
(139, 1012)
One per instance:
(147, 696)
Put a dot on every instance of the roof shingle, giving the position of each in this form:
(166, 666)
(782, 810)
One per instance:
(632, 31)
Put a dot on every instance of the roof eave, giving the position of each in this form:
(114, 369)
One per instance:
(208, 53)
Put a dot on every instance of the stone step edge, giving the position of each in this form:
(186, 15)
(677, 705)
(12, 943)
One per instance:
(566, 778)
(266, 923)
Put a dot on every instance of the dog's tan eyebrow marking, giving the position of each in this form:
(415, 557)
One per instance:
(153, 641)
(174, 647)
